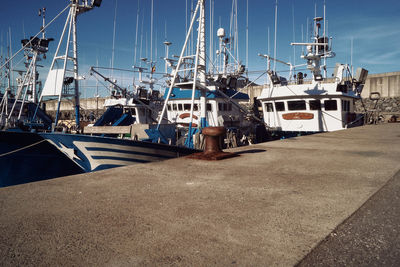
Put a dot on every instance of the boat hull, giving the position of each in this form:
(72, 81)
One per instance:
(27, 157)
(93, 153)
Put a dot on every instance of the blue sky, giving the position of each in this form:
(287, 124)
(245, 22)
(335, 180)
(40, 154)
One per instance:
(373, 25)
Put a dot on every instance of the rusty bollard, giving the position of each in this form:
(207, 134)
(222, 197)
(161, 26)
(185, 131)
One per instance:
(212, 150)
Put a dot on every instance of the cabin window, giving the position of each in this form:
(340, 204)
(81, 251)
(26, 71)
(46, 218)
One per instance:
(315, 104)
(224, 106)
(196, 107)
(209, 108)
(169, 107)
(330, 105)
(280, 106)
(180, 107)
(269, 107)
(297, 105)
(174, 107)
(186, 107)
(345, 105)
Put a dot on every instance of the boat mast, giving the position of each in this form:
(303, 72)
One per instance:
(247, 34)
(10, 76)
(136, 34)
(33, 48)
(57, 82)
(151, 34)
(113, 42)
(202, 62)
(276, 24)
(325, 72)
(75, 63)
(211, 55)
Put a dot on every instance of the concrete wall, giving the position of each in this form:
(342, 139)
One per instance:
(88, 107)
(85, 104)
(387, 84)
(253, 91)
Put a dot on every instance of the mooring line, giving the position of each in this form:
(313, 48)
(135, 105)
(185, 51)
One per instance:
(22, 148)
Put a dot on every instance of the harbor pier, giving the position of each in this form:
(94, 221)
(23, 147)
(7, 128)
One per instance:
(274, 204)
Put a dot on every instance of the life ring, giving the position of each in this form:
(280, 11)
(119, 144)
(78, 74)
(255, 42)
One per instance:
(187, 115)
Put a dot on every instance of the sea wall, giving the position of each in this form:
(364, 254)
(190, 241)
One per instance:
(387, 106)
(88, 107)
(386, 84)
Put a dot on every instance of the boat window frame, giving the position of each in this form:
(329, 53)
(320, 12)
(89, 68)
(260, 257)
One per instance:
(328, 107)
(313, 106)
(345, 105)
(269, 107)
(299, 105)
(278, 106)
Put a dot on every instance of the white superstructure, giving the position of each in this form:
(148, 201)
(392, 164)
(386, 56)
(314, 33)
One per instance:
(319, 104)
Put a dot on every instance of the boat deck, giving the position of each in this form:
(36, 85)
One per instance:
(270, 206)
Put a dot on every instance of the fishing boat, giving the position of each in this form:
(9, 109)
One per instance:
(301, 105)
(198, 98)
(17, 108)
(93, 152)
(138, 108)
(85, 152)
(27, 157)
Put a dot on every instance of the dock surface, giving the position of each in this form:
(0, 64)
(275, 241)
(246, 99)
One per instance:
(272, 205)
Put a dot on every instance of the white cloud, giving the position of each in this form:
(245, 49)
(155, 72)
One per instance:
(384, 58)
(382, 33)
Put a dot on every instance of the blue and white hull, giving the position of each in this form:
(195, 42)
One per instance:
(28, 157)
(93, 153)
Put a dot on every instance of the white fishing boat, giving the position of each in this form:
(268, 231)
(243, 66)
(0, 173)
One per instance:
(315, 104)
(142, 104)
(198, 97)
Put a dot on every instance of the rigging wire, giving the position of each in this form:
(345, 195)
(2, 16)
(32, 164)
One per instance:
(30, 40)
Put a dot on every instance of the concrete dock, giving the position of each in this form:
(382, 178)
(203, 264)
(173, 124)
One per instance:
(272, 205)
